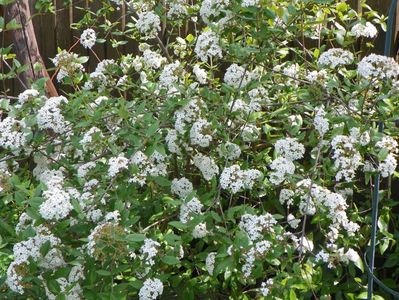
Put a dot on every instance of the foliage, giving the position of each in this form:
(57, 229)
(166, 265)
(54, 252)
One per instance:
(232, 156)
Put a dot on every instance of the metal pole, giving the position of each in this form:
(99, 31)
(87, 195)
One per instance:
(374, 219)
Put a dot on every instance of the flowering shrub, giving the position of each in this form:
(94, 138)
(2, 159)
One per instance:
(232, 157)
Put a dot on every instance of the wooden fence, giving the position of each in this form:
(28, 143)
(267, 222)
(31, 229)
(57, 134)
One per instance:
(53, 30)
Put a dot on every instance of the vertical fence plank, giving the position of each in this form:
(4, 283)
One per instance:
(62, 23)
(98, 51)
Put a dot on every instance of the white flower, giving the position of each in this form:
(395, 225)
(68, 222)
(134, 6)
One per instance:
(11, 136)
(237, 76)
(229, 151)
(235, 180)
(290, 149)
(207, 46)
(336, 57)
(378, 66)
(170, 75)
(210, 262)
(116, 164)
(388, 166)
(250, 133)
(254, 226)
(148, 24)
(199, 133)
(27, 95)
(190, 208)
(200, 231)
(177, 8)
(292, 221)
(281, 167)
(212, 9)
(181, 187)
(206, 165)
(248, 3)
(152, 59)
(200, 74)
(320, 122)
(88, 38)
(49, 116)
(149, 251)
(151, 289)
(367, 30)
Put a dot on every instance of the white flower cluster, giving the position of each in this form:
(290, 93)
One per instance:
(68, 64)
(153, 165)
(229, 150)
(69, 288)
(190, 209)
(255, 226)
(199, 133)
(388, 166)
(31, 249)
(336, 57)
(265, 287)
(153, 60)
(206, 165)
(210, 262)
(177, 8)
(248, 3)
(149, 251)
(200, 74)
(88, 136)
(212, 8)
(347, 157)
(117, 164)
(256, 251)
(57, 204)
(378, 66)
(170, 75)
(151, 289)
(320, 122)
(336, 255)
(334, 205)
(317, 76)
(188, 114)
(27, 95)
(11, 135)
(290, 148)
(207, 46)
(367, 30)
(235, 180)
(49, 116)
(148, 24)
(200, 231)
(88, 38)
(181, 187)
(250, 133)
(258, 97)
(282, 166)
(237, 76)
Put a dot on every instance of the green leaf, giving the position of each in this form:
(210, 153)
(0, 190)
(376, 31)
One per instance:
(170, 260)
(152, 129)
(382, 154)
(162, 181)
(12, 25)
(103, 273)
(178, 225)
(292, 295)
(135, 237)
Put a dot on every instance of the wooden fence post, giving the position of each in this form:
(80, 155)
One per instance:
(25, 44)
